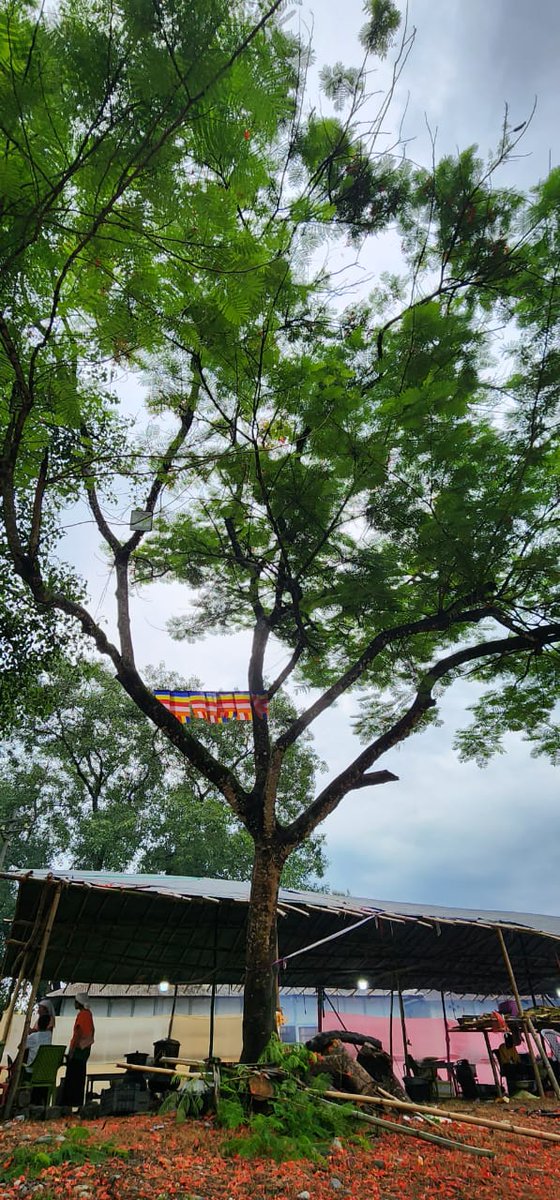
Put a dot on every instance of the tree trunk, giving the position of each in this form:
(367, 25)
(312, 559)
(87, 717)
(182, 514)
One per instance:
(259, 1004)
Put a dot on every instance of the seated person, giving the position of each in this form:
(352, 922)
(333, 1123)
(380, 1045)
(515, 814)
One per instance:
(465, 1077)
(40, 1036)
(511, 1067)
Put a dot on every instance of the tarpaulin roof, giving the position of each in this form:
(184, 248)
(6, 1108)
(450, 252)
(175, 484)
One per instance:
(121, 928)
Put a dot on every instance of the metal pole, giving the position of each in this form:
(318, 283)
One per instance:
(391, 1007)
(403, 1028)
(320, 1008)
(173, 1007)
(522, 1016)
(450, 1074)
(211, 1030)
(14, 1082)
(212, 1019)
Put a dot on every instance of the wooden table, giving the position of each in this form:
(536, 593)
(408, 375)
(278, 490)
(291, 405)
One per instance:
(101, 1077)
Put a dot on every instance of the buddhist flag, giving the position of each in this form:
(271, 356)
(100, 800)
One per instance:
(215, 707)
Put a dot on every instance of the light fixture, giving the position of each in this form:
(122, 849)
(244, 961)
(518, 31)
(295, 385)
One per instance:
(163, 986)
(558, 991)
(362, 985)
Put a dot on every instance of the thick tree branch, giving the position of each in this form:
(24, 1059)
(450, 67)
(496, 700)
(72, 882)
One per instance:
(439, 621)
(350, 778)
(286, 671)
(373, 778)
(103, 526)
(166, 462)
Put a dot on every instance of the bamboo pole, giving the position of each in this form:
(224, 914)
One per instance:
(144, 1070)
(492, 1061)
(523, 1018)
(406, 1131)
(462, 1118)
(450, 1075)
(8, 1015)
(540, 1047)
(16, 1075)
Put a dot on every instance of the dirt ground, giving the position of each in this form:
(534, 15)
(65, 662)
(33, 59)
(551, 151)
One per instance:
(166, 1161)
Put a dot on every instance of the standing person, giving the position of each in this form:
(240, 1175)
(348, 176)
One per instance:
(45, 1008)
(78, 1053)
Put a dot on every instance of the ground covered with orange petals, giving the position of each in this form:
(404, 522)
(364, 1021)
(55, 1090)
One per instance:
(166, 1161)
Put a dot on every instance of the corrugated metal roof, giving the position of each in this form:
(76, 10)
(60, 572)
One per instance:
(187, 887)
(126, 928)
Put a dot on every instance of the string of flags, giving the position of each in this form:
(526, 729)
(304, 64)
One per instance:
(215, 707)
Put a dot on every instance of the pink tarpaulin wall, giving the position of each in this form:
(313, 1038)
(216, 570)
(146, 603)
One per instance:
(427, 1039)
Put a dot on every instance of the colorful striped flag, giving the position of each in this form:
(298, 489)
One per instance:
(215, 707)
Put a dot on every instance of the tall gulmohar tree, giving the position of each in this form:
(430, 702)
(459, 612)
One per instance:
(375, 488)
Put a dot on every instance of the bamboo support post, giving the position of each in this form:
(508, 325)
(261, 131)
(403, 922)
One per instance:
(522, 1016)
(16, 1075)
(462, 1118)
(492, 1061)
(424, 1136)
(8, 1015)
(540, 1047)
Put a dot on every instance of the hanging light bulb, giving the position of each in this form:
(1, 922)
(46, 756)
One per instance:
(362, 985)
(164, 986)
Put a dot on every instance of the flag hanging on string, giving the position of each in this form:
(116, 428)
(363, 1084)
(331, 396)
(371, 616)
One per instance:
(215, 707)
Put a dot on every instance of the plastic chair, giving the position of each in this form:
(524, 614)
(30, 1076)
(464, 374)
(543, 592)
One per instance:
(44, 1070)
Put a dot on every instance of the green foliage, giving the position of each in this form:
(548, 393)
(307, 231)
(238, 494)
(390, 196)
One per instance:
(29, 1160)
(231, 1113)
(297, 1123)
(379, 31)
(189, 1099)
(88, 778)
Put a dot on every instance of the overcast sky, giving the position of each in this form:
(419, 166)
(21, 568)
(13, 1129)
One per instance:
(446, 833)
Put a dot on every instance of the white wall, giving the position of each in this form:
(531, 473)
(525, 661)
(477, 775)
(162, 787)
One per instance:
(117, 1036)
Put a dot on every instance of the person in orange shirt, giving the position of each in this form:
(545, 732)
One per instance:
(78, 1053)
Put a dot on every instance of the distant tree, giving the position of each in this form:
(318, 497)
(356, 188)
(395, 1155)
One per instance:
(91, 783)
(374, 491)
